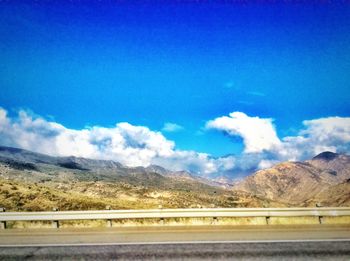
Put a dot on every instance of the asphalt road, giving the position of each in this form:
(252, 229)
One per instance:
(319, 250)
(316, 242)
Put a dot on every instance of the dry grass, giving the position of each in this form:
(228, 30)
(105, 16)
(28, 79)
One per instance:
(25, 196)
(336, 220)
(294, 221)
(30, 224)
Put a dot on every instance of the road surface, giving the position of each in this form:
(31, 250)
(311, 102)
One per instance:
(319, 250)
(222, 243)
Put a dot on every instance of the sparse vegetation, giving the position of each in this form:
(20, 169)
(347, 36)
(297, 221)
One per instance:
(95, 184)
(20, 196)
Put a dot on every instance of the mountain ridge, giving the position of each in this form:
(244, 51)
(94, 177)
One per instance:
(299, 182)
(80, 183)
(73, 183)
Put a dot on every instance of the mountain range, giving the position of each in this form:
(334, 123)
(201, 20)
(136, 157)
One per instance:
(32, 181)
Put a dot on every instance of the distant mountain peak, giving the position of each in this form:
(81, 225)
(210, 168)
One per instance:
(326, 155)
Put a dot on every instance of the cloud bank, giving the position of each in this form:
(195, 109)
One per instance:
(139, 146)
(128, 144)
(264, 148)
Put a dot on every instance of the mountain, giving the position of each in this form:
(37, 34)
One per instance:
(303, 183)
(337, 195)
(33, 181)
(106, 170)
(81, 169)
(333, 163)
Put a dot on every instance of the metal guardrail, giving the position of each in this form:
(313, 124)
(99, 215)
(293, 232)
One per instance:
(161, 214)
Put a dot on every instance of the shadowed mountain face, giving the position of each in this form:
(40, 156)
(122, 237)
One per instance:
(303, 183)
(336, 164)
(326, 156)
(21, 155)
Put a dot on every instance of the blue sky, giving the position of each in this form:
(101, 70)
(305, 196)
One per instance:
(98, 64)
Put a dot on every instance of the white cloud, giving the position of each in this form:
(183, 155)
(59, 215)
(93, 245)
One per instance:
(324, 134)
(171, 127)
(329, 130)
(258, 134)
(139, 146)
(131, 145)
(263, 148)
(265, 163)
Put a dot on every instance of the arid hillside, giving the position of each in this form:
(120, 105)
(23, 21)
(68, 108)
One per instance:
(324, 179)
(33, 182)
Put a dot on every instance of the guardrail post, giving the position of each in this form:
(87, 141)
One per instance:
(320, 220)
(2, 223)
(55, 223)
(161, 220)
(215, 221)
(109, 221)
(267, 220)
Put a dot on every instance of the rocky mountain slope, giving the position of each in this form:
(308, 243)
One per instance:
(106, 170)
(32, 181)
(336, 164)
(338, 195)
(325, 179)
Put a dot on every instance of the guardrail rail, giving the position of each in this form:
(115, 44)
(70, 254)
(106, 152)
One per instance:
(161, 214)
